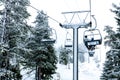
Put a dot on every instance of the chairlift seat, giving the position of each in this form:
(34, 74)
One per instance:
(93, 42)
(49, 41)
(68, 45)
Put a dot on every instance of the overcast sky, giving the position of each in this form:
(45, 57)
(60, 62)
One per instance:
(53, 8)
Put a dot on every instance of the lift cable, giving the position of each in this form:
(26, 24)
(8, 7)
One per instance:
(44, 14)
(92, 16)
(49, 40)
(90, 13)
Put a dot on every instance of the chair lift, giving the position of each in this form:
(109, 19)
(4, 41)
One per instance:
(68, 45)
(91, 39)
(52, 38)
(68, 42)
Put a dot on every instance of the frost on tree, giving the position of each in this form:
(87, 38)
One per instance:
(13, 29)
(111, 70)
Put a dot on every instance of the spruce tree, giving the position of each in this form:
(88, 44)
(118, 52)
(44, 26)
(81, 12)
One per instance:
(111, 68)
(63, 56)
(13, 31)
(42, 56)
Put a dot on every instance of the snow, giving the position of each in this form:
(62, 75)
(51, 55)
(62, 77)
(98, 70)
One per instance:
(26, 76)
(87, 71)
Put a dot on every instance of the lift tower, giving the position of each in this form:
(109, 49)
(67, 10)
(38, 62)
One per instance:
(75, 27)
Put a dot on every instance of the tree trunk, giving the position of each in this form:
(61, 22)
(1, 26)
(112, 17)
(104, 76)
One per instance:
(39, 73)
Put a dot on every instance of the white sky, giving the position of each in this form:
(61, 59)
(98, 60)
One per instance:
(53, 8)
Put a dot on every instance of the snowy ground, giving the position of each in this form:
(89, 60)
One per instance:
(87, 71)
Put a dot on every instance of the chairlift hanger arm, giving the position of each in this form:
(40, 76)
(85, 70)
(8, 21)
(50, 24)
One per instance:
(95, 21)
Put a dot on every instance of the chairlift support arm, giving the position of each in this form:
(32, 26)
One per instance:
(68, 26)
(76, 12)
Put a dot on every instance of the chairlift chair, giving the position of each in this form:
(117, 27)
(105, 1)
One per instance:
(52, 38)
(68, 41)
(91, 39)
(68, 45)
(48, 41)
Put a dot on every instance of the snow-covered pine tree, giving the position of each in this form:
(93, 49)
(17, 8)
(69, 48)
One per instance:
(13, 31)
(63, 56)
(111, 70)
(42, 57)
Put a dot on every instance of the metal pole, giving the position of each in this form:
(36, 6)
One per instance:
(75, 28)
(75, 53)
